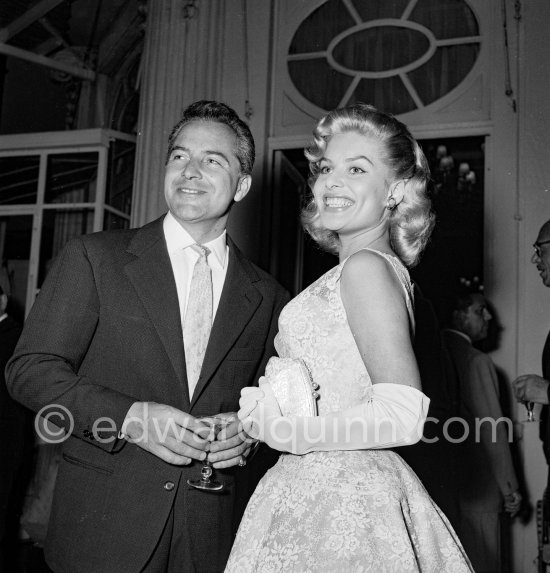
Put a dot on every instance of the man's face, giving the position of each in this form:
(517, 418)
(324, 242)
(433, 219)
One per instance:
(541, 256)
(203, 177)
(474, 321)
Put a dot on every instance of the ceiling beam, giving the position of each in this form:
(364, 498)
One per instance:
(29, 17)
(47, 46)
(76, 71)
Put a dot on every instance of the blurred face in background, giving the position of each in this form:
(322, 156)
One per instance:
(474, 321)
(541, 256)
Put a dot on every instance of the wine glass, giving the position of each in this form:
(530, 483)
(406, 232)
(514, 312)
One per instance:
(530, 414)
(216, 424)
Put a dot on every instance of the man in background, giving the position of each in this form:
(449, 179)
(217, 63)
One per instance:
(486, 475)
(532, 387)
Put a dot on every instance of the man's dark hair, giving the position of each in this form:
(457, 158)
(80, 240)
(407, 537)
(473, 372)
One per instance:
(216, 111)
(463, 302)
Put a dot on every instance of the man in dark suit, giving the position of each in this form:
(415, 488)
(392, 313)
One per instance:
(13, 446)
(486, 476)
(532, 387)
(103, 349)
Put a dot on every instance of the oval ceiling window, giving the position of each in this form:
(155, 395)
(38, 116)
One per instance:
(399, 55)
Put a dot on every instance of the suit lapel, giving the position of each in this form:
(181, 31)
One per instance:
(152, 276)
(238, 303)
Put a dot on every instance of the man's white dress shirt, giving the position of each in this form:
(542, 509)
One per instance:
(183, 259)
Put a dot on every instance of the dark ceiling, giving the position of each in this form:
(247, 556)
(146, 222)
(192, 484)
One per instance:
(46, 30)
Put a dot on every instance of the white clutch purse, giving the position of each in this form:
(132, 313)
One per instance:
(293, 386)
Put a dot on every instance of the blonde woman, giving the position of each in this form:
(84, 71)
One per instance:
(346, 386)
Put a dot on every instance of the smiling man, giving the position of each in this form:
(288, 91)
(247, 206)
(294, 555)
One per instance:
(134, 336)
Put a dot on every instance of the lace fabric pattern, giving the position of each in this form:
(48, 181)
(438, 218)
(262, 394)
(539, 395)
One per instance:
(348, 511)
(313, 326)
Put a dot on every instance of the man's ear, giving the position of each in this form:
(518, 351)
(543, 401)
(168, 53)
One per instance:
(3, 303)
(243, 187)
(397, 190)
(457, 319)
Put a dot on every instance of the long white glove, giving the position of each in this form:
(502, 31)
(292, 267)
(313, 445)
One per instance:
(394, 415)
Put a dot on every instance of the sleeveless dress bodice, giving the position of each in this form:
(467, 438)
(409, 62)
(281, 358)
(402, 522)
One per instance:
(348, 511)
(314, 327)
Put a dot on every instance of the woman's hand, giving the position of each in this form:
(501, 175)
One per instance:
(258, 409)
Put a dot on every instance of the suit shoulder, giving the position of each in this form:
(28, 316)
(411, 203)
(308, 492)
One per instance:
(266, 282)
(270, 281)
(262, 274)
(476, 362)
(117, 241)
(255, 272)
(479, 358)
(105, 240)
(101, 249)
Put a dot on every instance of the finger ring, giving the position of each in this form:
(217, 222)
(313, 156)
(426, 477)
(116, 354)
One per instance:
(242, 462)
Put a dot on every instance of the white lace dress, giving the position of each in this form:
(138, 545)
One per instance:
(348, 511)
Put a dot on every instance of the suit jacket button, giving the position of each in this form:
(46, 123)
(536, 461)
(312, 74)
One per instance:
(169, 486)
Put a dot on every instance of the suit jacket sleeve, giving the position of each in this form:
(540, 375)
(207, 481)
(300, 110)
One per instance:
(44, 370)
(481, 394)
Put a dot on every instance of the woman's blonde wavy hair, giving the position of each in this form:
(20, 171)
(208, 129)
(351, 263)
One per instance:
(412, 221)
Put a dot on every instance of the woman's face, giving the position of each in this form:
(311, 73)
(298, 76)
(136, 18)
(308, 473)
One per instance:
(351, 190)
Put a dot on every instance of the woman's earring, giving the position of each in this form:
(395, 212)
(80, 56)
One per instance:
(391, 204)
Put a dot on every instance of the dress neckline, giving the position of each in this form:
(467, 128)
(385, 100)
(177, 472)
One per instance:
(383, 253)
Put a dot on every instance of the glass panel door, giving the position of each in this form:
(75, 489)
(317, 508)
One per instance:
(296, 260)
(454, 254)
(19, 179)
(53, 189)
(72, 178)
(15, 249)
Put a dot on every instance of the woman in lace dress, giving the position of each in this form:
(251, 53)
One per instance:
(346, 387)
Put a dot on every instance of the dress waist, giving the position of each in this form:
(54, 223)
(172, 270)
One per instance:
(364, 471)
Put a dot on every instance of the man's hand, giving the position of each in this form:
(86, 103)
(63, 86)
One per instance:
(166, 432)
(231, 446)
(531, 388)
(512, 503)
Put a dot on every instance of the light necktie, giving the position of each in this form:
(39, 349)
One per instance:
(198, 317)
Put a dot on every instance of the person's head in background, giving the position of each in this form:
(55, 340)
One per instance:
(541, 256)
(470, 315)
